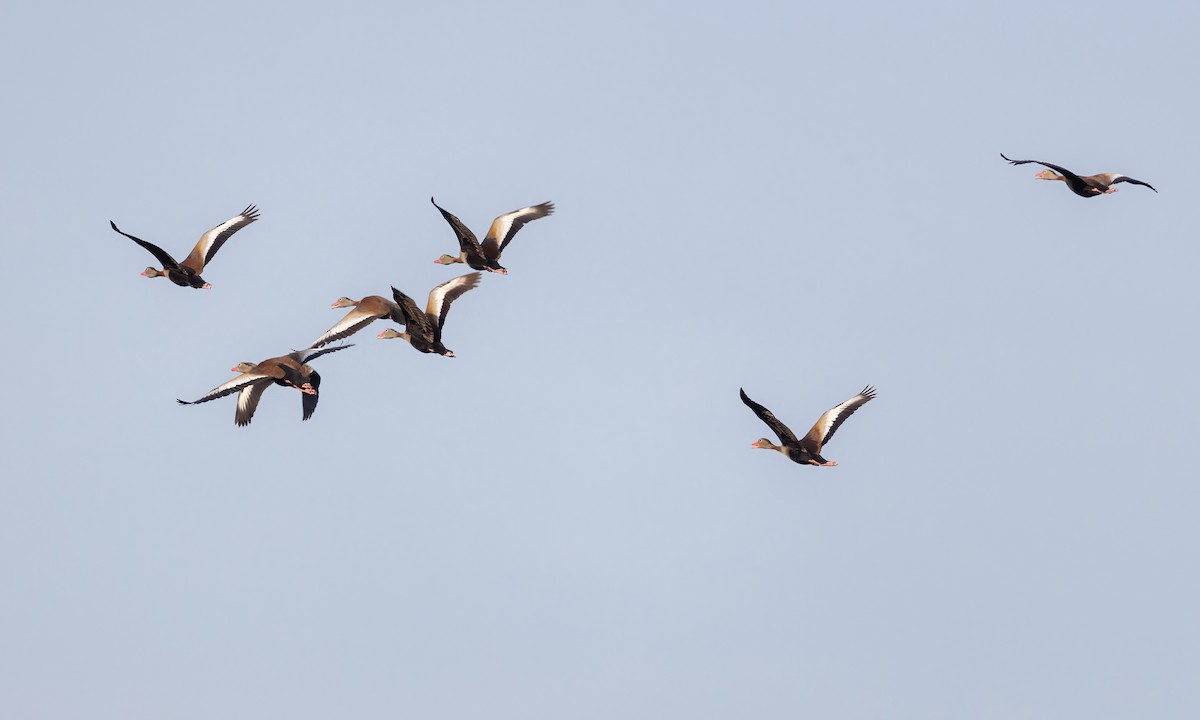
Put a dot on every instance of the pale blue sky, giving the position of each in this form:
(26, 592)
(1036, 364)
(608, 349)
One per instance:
(567, 520)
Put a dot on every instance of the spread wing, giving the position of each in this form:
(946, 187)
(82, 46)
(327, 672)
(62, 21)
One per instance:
(467, 242)
(355, 320)
(304, 355)
(211, 241)
(241, 381)
(161, 255)
(785, 435)
(441, 296)
(415, 320)
(1126, 178)
(506, 226)
(1072, 178)
(833, 418)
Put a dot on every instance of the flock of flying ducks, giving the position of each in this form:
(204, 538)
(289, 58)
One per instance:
(423, 329)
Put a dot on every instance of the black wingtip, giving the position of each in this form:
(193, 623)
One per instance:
(113, 225)
(182, 402)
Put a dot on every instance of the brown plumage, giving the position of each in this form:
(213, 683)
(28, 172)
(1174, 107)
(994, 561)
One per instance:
(187, 273)
(486, 255)
(807, 450)
(291, 370)
(1081, 185)
(365, 312)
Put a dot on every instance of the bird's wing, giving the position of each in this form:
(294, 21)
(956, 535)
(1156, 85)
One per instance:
(833, 418)
(1071, 177)
(211, 241)
(308, 403)
(506, 226)
(782, 431)
(162, 255)
(441, 296)
(353, 321)
(247, 403)
(467, 242)
(1126, 178)
(414, 320)
(305, 355)
(234, 385)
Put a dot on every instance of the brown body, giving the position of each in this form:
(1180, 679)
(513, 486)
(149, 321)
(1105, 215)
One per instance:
(365, 312)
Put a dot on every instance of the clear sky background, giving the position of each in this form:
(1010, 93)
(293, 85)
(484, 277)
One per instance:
(567, 520)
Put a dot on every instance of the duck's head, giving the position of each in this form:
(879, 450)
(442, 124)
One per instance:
(242, 367)
(448, 260)
(1048, 175)
(391, 333)
(153, 273)
(343, 302)
(763, 444)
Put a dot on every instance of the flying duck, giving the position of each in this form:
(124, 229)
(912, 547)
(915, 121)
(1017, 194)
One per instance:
(423, 330)
(365, 312)
(504, 227)
(807, 450)
(291, 370)
(187, 273)
(1082, 185)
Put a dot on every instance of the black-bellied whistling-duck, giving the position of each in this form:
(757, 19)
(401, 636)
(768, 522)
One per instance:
(807, 450)
(365, 312)
(1081, 185)
(291, 370)
(187, 273)
(504, 227)
(423, 330)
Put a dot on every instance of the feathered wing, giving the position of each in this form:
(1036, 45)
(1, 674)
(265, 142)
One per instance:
(833, 418)
(1127, 179)
(415, 321)
(247, 403)
(506, 226)
(305, 355)
(467, 242)
(161, 255)
(308, 403)
(354, 321)
(783, 432)
(1071, 177)
(234, 385)
(211, 241)
(441, 296)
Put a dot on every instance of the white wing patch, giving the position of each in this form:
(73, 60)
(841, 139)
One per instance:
(354, 321)
(232, 225)
(247, 402)
(828, 423)
(239, 382)
(503, 225)
(437, 296)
